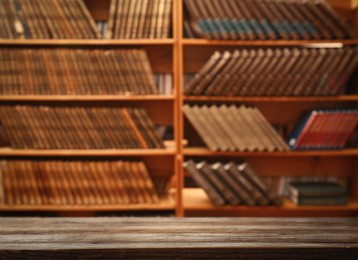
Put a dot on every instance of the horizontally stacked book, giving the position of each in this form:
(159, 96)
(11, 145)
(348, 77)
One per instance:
(275, 72)
(54, 182)
(133, 19)
(231, 183)
(234, 128)
(75, 71)
(323, 129)
(57, 127)
(318, 193)
(264, 19)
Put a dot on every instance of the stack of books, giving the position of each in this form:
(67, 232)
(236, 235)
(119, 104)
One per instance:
(275, 72)
(323, 129)
(232, 128)
(75, 71)
(264, 19)
(46, 19)
(318, 193)
(54, 182)
(231, 183)
(133, 19)
(41, 127)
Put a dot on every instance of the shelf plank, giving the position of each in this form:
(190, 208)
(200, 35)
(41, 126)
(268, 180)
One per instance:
(201, 151)
(86, 42)
(197, 200)
(272, 99)
(165, 204)
(6, 152)
(86, 98)
(308, 43)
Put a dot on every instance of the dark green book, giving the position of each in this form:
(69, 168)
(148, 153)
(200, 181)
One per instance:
(316, 189)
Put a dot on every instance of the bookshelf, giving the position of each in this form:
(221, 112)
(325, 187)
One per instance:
(338, 163)
(178, 55)
(161, 108)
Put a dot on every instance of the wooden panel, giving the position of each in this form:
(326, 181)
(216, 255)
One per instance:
(99, 9)
(197, 203)
(160, 58)
(159, 166)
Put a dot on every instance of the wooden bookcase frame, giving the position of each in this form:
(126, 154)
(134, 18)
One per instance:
(173, 55)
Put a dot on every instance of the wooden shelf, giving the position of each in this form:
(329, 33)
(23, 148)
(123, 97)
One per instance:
(272, 99)
(86, 98)
(165, 204)
(195, 199)
(86, 42)
(7, 152)
(206, 152)
(316, 43)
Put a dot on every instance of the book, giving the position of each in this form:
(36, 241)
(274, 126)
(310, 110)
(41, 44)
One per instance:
(232, 128)
(38, 127)
(139, 19)
(265, 19)
(35, 20)
(225, 184)
(323, 129)
(203, 182)
(75, 72)
(275, 72)
(75, 182)
(316, 189)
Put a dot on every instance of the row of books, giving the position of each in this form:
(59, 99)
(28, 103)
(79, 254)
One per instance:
(233, 128)
(275, 72)
(164, 83)
(46, 19)
(133, 19)
(42, 127)
(231, 183)
(318, 193)
(55, 182)
(264, 19)
(75, 71)
(324, 129)
(281, 184)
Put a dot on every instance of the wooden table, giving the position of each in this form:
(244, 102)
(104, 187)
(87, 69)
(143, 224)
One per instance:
(179, 237)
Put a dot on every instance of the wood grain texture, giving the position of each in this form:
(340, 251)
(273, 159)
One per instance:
(178, 238)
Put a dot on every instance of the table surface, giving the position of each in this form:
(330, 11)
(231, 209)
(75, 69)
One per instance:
(179, 237)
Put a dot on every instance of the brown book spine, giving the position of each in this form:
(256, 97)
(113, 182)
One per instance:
(216, 181)
(112, 19)
(199, 178)
(208, 66)
(245, 191)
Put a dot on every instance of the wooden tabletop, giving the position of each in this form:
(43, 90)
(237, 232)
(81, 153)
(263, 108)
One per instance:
(179, 237)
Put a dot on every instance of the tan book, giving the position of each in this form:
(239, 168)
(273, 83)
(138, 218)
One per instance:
(167, 19)
(127, 137)
(112, 19)
(142, 19)
(216, 121)
(134, 127)
(115, 170)
(91, 24)
(273, 135)
(144, 174)
(195, 119)
(244, 130)
(54, 183)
